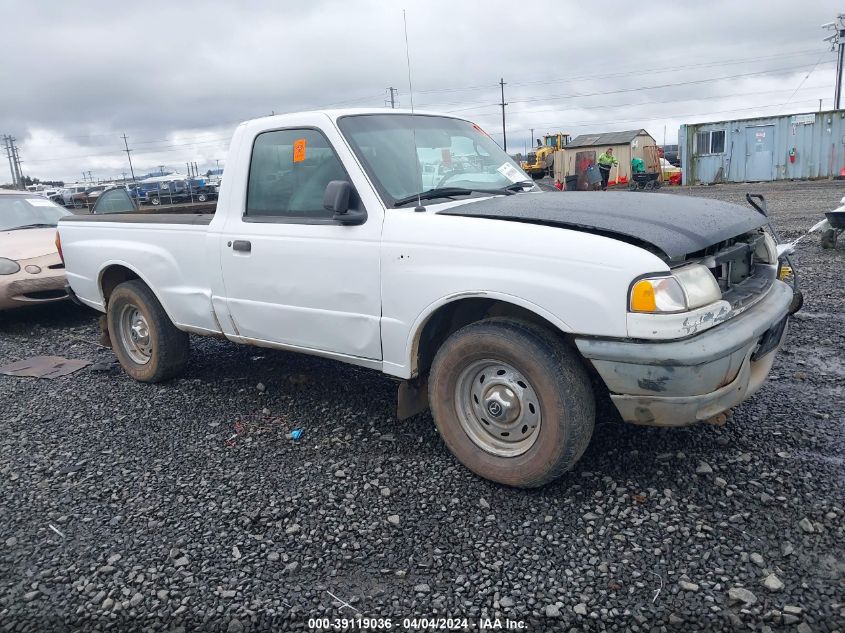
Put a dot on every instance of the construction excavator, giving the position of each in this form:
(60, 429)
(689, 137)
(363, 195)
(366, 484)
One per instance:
(540, 161)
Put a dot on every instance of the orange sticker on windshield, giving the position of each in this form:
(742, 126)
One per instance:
(299, 150)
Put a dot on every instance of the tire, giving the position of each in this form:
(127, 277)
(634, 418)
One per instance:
(649, 186)
(202, 197)
(633, 186)
(165, 348)
(155, 201)
(555, 384)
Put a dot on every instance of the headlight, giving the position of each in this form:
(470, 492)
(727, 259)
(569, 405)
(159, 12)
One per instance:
(8, 266)
(766, 251)
(685, 289)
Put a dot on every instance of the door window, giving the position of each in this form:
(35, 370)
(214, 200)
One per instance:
(288, 174)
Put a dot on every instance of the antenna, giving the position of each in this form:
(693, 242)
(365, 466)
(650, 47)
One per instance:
(419, 206)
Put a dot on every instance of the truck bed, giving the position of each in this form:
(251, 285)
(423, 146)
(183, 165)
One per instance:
(173, 253)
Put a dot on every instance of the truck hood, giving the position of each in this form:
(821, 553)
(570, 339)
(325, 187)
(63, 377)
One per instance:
(676, 225)
(20, 244)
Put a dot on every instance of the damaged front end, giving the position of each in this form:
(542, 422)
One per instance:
(690, 365)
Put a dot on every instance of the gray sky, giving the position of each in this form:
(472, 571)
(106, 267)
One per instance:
(177, 77)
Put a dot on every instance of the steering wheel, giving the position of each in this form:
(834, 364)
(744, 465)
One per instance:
(448, 176)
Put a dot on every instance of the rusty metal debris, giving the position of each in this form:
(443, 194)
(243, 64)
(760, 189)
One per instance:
(43, 367)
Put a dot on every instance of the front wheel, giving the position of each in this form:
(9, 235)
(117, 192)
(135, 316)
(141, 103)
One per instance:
(155, 201)
(512, 401)
(147, 344)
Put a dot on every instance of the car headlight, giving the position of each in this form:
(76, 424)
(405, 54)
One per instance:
(685, 289)
(8, 266)
(766, 250)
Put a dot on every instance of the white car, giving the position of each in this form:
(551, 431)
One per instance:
(497, 304)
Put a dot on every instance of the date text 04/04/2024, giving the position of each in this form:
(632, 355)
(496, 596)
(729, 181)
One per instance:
(415, 624)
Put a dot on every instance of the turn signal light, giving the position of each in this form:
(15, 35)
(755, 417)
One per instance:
(642, 297)
(59, 247)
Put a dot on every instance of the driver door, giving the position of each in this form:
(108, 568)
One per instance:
(294, 276)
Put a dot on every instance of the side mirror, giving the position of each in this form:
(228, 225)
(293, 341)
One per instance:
(336, 197)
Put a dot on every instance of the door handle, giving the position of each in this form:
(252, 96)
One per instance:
(243, 246)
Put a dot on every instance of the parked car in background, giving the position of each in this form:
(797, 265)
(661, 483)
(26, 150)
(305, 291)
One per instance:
(168, 191)
(68, 191)
(87, 198)
(31, 270)
(501, 307)
(670, 153)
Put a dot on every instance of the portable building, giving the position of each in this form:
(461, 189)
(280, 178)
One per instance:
(785, 147)
(626, 146)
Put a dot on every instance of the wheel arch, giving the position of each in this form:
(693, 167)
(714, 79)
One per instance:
(115, 273)
(444, 317)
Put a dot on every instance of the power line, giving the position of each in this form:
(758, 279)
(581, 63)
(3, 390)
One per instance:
(628, 104)
(590, 122)
(622, 73)
(533, 99)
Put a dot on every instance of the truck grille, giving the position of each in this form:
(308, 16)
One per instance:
(741, 276)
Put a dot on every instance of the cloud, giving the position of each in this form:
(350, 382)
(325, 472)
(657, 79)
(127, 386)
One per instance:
(177, 77)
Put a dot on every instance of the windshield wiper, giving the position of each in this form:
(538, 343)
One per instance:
(519, 186)
(450, 192)
(32, 226)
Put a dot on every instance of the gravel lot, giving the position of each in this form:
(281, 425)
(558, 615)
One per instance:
(150, 507)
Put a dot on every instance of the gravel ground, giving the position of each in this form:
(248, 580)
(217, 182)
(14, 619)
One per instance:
(188, 505)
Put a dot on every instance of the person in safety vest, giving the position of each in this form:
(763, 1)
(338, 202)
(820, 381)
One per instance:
(606, 161)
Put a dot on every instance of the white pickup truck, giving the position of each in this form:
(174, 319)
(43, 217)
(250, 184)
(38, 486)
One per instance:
(504, 308)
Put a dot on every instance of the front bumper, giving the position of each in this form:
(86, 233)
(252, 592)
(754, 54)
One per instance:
(676, 383)
(24, 288)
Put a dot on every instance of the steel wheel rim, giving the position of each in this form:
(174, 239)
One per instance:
(497, 408)
(135, 334)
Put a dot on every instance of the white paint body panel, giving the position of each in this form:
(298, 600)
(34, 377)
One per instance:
(355, 293)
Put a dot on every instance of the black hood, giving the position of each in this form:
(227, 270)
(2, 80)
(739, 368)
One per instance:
(676, 225)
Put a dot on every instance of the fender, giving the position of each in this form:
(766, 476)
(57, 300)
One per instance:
(422, 319)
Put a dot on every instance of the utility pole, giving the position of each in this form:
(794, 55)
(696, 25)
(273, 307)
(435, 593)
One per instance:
(161, 169)
(531, 144)
(837, 39)
(127, 150)
(7, 140)
(503, 104)
(392, 92)
(17, 161)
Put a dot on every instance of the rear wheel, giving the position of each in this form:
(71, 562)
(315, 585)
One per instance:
(512, 402)
(147, 344)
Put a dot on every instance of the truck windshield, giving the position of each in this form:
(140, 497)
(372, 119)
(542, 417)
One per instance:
(406, 155)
